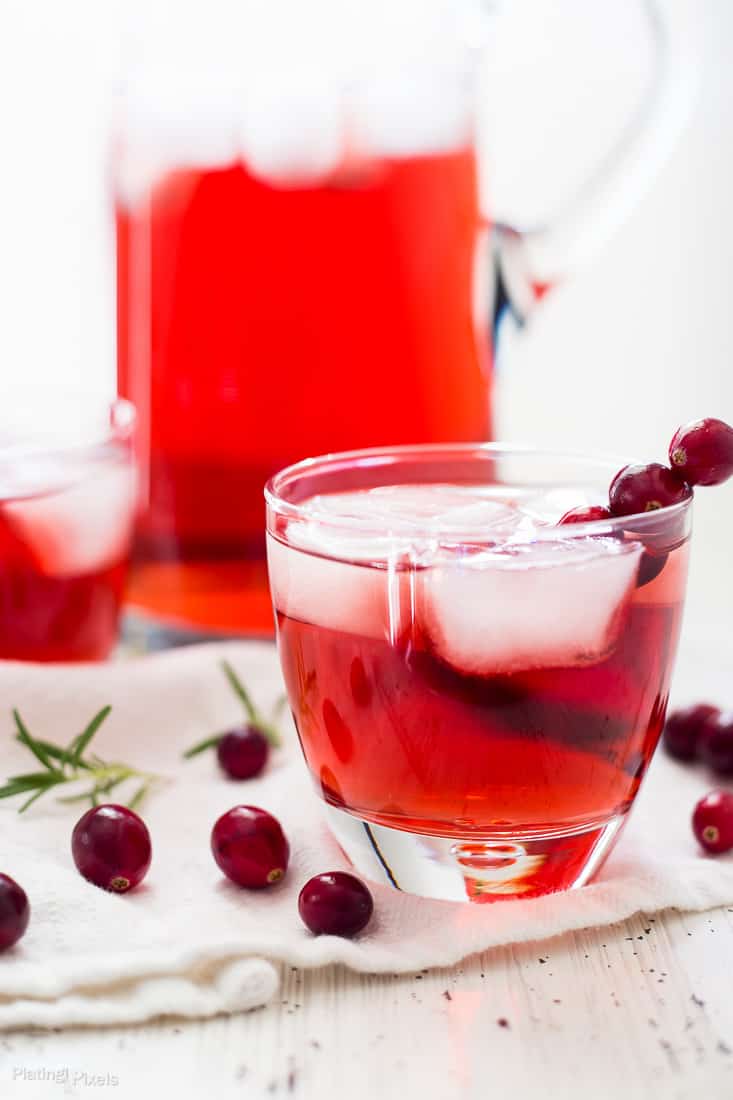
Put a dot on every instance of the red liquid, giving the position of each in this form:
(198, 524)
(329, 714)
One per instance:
(47, 617)
(395, 736)
(260, 324)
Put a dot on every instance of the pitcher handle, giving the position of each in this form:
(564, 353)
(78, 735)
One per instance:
(531, 260)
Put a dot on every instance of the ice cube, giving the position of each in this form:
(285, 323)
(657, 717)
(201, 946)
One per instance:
(543, 604)
(82, 528)
(346, 595)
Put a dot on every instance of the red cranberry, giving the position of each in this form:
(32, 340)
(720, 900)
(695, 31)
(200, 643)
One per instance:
(684, 728)
(712, 821)
(586, 514)
(702, 452)
(14, 911)
(335, 904)
(715, 747)
(250, 847)
(243, 752)
(645, 488)
(111, 847)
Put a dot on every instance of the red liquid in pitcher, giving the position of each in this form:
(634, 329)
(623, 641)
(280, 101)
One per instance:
(496, 700)
(261, 323)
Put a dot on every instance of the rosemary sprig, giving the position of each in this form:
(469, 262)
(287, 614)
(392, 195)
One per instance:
(67, 765)
(254, 717)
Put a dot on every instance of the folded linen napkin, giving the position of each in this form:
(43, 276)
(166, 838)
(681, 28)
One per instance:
(187, 941)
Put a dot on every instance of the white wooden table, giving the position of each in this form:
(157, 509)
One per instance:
(643, 1009)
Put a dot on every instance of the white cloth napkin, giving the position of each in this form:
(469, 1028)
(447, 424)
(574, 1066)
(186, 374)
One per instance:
(188, 942)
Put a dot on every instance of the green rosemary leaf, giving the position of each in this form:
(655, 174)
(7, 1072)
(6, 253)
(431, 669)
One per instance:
(31, 800)
(138, 796)
(202, 746)
(240, 690)
(25, 738)
(76, 749)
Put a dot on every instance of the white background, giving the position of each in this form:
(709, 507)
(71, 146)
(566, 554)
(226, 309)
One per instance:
(615, 358)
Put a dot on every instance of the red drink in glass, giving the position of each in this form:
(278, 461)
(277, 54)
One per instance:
(66, 518)
(469, 679)
(260, 321)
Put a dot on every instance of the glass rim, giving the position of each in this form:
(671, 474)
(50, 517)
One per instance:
(394, 455)
(117, 420)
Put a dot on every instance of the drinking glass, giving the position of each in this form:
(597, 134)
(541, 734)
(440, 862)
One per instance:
(478, 689)
(67, 508)
(304, 262)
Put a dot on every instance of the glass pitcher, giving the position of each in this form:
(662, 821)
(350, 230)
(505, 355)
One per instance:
(304, 262)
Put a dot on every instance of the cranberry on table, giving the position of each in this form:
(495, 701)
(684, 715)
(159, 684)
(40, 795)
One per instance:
(586, 514)
(702, 452)
(243, 752)
(14, 911)
(716, 744)
(250, 847)
(712, 822)
(335, 904)
(684, 729)
(111, 847)
(645, 489)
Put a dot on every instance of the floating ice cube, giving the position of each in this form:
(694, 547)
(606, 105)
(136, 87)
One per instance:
(435, 509)
(340, 595)
(547, 604)
(83, 527)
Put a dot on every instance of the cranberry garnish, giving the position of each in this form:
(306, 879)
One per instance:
(645, 488)
(14, 911)
(684, 729)
(335, 904)
(242, 753)
(702, 452)
(111, 847)
(586, 514)
(250, 847)
(715, 747)
(712, 821)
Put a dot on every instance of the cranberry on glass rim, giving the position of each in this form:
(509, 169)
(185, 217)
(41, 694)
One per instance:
(111, 847)
(702, 452)
(647, 488)
(14, 912)
(589, 514)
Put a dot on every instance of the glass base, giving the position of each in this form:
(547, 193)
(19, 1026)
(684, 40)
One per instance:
(500, 865)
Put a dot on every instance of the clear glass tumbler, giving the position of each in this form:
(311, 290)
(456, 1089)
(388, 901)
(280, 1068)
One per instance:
(478, 690)
(68, 489)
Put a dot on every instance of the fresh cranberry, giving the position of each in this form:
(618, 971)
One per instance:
(702, 452)
(14, 911)
(111, 847)
(250, 847)
(243, 752)
(589, 514)
(684, 729)
(716, 744)
(645, 488)
(335, 904)
(712, 821)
